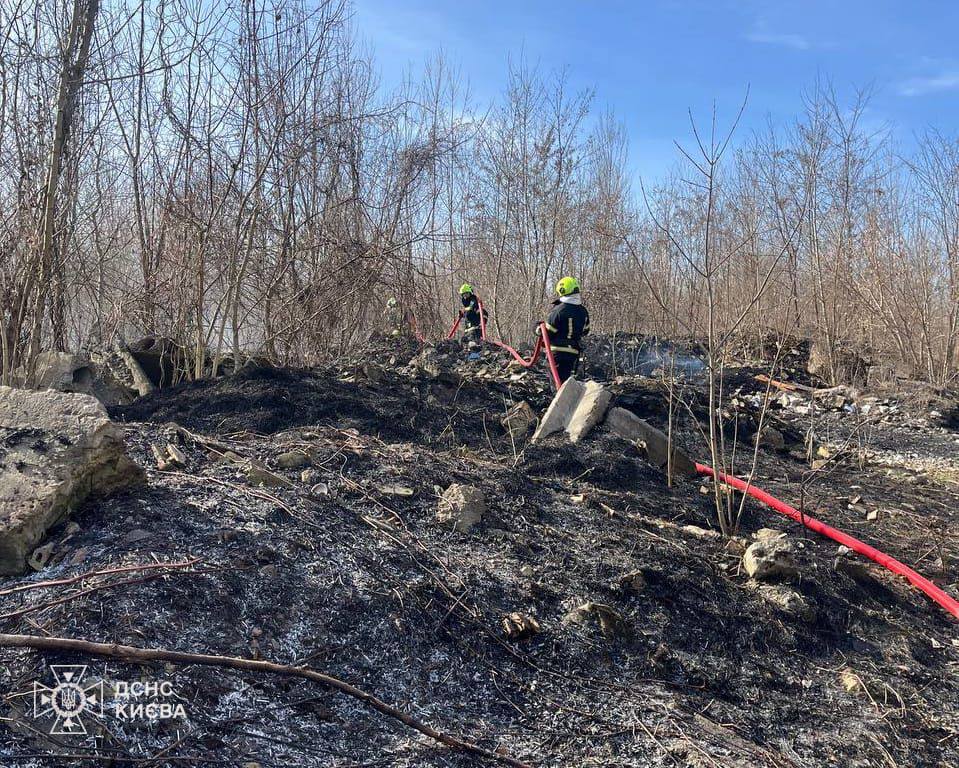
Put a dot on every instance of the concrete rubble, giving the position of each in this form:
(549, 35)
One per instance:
(100, 374)
(580, 406)
(653, 441)
(576, 409)
(57, 450)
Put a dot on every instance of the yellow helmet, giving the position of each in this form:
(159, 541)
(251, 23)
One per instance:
(567, 286)
(465, 288)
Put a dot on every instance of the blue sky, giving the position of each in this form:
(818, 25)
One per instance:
(652, 60)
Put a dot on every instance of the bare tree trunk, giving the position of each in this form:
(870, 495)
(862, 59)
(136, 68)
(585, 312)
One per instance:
(73, 66)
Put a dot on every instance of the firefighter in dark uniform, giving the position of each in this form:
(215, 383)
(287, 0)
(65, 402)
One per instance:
(566, 325)
(472, 330)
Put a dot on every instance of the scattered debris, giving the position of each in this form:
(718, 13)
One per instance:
(169, 458)
(519, 626)
(610, 623)
(518, 421)
(789, 601)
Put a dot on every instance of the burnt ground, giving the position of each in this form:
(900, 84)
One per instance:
(350, 573)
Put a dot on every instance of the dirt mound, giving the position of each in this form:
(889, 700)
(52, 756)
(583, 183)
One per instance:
(260, 400)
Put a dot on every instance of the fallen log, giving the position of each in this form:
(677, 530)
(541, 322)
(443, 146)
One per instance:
(133, 654)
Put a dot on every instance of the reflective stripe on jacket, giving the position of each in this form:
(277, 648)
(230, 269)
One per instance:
(566, 325)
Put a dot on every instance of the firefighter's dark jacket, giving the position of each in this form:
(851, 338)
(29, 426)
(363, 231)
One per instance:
(566, 325)
(471, 311)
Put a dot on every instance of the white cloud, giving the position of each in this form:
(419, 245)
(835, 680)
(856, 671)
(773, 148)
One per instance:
(947, 80)
(797, 42)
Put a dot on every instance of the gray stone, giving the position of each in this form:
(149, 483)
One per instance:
(136, 535)
(770, 558)
(257, 475)
(81, 373)
(518, 421)
(656, 444)
(269, 571)
(768, 533)
(788, 601)
(772, 438)
(576, 408)
(461, 506)
(58, 449)
(320, 489)
(634, 582)
(292, 460)
(430, 364)
(41, 556)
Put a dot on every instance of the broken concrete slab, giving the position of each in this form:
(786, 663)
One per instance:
(160, 359)
(656, 444)
(560, 411)
(576, 409)
(88, 374)
(57, 449)
(590, 411)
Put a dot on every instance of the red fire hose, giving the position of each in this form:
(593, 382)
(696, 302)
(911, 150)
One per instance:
(918, 581)
(950, 604)
(542, 344)
(452, 333)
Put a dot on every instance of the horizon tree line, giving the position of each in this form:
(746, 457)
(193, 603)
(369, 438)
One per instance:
(234, 177)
